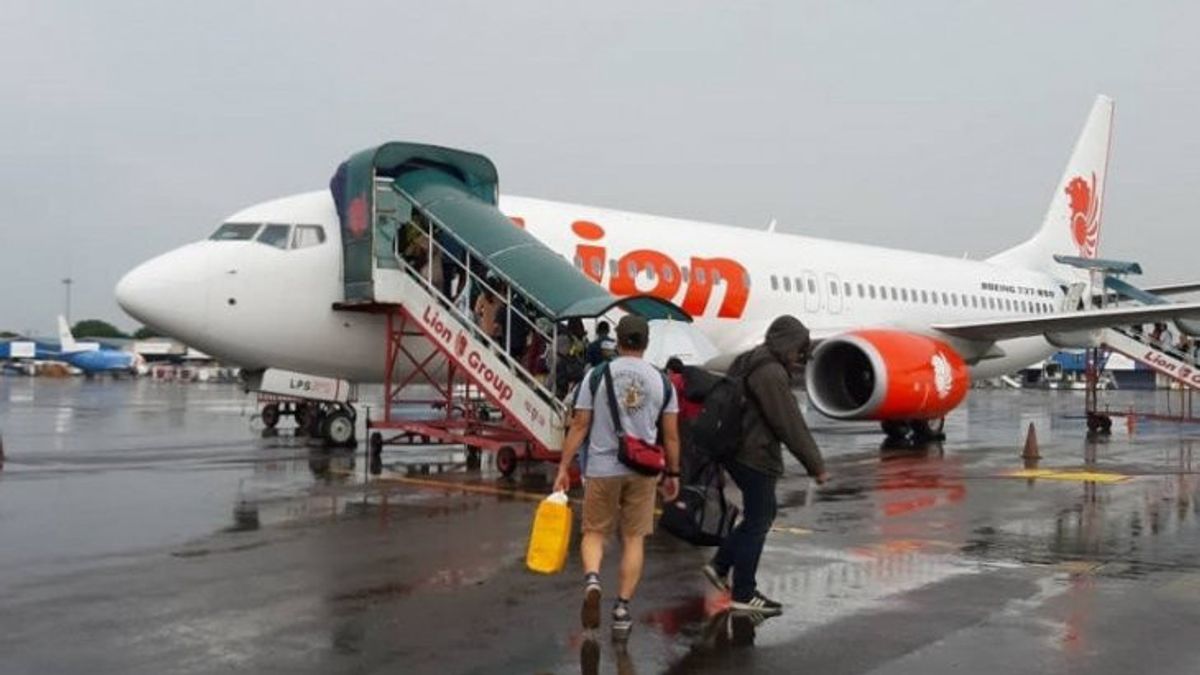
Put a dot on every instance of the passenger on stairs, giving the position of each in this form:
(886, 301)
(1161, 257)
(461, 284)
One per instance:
(537, 357)
(454, 260)
(418, 253)
(1184, 346)
(1156, 335)
(487, 309)
(518, 324)
(568, 355)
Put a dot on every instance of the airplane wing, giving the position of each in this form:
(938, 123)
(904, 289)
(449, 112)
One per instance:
(1167, 289)
(1065, 322)
(1173, 289)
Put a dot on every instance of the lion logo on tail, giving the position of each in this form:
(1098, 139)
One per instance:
(1085, 215)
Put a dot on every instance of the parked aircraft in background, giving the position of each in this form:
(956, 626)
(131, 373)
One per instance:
(900, 333)
(90, 357)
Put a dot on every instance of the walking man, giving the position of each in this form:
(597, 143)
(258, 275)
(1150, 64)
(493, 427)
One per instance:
(771, 416)
(613, 493)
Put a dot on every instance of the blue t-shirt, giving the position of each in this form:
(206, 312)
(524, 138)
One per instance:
(639, 389)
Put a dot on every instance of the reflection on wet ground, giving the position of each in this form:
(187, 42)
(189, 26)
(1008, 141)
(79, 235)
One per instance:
(152, 526)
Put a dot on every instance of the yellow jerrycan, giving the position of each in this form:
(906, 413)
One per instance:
(550, 536)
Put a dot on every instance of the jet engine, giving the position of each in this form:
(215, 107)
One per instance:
(885, 374)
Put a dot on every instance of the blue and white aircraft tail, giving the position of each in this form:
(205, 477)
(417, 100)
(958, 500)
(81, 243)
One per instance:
(90, 357)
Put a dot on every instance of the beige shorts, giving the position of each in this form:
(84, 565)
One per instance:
(629, 498)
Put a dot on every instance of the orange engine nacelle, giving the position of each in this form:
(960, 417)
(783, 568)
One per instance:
(886, 374)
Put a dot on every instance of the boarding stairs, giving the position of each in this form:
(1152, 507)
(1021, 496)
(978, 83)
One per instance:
(1166, 359)
(479, 359)
(422, 242)
(1108, 288)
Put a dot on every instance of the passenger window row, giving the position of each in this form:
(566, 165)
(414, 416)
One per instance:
(913, 295)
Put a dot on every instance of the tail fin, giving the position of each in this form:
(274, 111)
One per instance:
(1072, 223)
(65, 338)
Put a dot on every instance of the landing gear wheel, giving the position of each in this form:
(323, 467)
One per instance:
(506, 461)
(895, 429)
(270, 415)
(338, 428)
(925, 431)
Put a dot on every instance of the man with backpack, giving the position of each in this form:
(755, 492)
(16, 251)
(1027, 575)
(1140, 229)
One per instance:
(760, 380)
(568, 356)
(602, 349)
(623, 408)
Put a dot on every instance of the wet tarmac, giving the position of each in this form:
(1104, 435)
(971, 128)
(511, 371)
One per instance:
(146, 527)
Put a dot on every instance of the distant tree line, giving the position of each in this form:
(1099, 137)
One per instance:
(95, 328)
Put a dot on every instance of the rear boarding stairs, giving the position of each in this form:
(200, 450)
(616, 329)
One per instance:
(422, 239)
(1181, 366)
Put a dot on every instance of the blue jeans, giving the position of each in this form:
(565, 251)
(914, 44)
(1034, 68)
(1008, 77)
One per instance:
(743, 547)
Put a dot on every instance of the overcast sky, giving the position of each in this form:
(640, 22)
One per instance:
(133, 127)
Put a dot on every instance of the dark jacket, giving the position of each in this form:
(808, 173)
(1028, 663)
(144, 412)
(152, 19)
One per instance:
(772, 414)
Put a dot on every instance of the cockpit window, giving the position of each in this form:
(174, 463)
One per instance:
(308, 235)
(275, 235)
(235, 232)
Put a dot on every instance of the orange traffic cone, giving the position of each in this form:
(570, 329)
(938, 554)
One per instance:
(1030, 451)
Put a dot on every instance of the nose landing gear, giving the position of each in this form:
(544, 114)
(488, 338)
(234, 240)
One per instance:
(337, 427)
(332, 422)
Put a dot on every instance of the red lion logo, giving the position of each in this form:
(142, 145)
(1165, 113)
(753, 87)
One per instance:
(357, 216)
(1085, 215)
(460, 345)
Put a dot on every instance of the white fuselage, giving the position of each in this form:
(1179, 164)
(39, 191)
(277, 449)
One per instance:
(259, 306)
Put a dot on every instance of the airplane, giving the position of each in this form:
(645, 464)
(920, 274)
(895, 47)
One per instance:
(90, 357)
(899, 334)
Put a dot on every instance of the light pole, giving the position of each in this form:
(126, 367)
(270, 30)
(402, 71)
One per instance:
(67, 283)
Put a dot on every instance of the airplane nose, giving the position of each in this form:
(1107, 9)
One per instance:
(168, 293)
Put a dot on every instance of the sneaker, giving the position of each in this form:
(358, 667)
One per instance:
(715, 578)
(590, 614)
(759, 604)
(622, 621)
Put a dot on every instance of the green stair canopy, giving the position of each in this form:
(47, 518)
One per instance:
(458, 191)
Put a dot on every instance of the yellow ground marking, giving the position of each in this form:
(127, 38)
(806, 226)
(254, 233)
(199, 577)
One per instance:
(1080, 567)
(1081, 476)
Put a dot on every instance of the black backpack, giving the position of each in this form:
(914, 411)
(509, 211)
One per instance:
(717, 432)
(700, 515)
